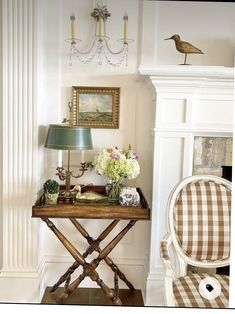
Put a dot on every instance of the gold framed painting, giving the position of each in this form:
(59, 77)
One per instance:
(95, 107)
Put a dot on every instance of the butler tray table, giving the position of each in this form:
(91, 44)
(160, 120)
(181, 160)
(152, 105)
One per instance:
(92, 210)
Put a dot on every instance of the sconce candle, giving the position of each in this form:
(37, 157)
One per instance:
(73, 31)
(125, 19)
(101, 28)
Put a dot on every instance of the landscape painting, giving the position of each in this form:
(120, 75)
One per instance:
(96, 107)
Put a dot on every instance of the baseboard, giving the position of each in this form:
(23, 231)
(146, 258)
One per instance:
(145, 276)
(22, 285)
(155, 288)
(28, 285)
(41, 272)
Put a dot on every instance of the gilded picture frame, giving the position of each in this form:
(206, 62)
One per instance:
(95, 107)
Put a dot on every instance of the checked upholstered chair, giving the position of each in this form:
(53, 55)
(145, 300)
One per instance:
(199, 210)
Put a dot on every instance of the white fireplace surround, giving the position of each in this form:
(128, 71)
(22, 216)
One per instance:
(190, 101)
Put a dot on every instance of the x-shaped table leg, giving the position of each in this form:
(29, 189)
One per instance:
(94, 246)
(89, 268)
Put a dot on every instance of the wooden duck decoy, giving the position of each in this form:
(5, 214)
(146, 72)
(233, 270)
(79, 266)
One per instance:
(184, 47)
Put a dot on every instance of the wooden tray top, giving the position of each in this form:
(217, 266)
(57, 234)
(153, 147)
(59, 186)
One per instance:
(107, 210)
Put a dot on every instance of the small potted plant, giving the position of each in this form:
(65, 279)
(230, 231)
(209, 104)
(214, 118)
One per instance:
(51, 190)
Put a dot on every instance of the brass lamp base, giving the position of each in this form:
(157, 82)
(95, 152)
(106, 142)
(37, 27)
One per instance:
(68, 195)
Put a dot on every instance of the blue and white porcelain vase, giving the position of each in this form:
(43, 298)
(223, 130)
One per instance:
(129, 197)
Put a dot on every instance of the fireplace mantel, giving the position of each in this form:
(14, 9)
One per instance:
(189, 77)
(190, 101)
(195, 71)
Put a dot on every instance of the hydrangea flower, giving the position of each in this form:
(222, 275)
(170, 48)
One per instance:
(116, 164)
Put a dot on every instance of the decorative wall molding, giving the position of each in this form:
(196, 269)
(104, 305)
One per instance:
(190, 100)
(19, 277)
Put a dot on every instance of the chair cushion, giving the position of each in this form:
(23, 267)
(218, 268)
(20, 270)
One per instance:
(186, 291)
(202, 220)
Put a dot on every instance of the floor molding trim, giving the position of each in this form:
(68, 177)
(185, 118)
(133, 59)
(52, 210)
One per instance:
(155, 288)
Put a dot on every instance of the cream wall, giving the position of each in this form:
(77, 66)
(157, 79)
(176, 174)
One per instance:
(136, 121)
(209, 26)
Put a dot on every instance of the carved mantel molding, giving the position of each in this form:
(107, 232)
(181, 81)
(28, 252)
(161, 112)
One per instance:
(189, 76)
(187, 71)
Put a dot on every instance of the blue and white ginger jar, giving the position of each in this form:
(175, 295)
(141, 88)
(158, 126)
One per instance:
(129, 197)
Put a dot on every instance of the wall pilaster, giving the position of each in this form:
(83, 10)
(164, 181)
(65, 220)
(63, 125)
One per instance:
(19, 279)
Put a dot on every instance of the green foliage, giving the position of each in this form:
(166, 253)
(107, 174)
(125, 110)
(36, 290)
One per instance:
(51, 187)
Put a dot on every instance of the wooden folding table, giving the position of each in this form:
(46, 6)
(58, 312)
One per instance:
(74, 213)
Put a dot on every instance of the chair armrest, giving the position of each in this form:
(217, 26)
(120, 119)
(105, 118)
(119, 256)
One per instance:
(164, 253)
(164, 247)
(169, 275)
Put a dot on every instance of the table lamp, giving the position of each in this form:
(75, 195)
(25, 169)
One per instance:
(67, 137)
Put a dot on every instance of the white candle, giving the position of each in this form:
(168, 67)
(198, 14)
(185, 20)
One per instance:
(60, 158)
(73, 29)
(101, 28)
(82, 156)
(125, 18)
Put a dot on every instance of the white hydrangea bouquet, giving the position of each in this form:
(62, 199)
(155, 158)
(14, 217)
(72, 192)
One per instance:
(116, 164)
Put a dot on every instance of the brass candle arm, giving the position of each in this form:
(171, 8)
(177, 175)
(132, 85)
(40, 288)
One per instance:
(70, 106)
(66, 174)
(62, 172)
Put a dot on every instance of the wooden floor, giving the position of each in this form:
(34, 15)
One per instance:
(93, 296)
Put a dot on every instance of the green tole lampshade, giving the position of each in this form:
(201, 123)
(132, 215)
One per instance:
(66, 137)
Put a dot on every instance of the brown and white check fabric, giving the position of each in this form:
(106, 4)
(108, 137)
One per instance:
(186, 292)
(164, 250)
(202, 216)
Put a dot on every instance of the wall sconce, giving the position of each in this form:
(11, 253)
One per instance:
(65, 137)
(100, 48)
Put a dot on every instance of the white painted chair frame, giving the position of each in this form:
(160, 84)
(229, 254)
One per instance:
(170, 238)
